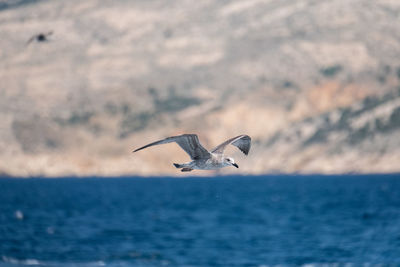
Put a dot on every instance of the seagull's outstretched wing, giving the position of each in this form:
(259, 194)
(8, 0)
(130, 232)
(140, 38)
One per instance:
(188, 142)
(31, 39)
(243, 142)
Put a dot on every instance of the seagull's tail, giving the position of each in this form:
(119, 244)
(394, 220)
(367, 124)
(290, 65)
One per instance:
(178, 165)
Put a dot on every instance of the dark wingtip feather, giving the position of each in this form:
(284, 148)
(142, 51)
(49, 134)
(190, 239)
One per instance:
(136, 150)
(245, 149)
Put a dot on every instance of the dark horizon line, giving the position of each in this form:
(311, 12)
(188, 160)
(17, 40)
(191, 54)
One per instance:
(266, 175)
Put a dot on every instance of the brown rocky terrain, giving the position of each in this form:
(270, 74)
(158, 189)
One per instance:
(316, 83)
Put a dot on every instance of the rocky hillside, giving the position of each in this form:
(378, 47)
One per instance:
(316, 83)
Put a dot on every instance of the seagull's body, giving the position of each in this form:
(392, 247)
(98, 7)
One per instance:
(201, 158)
(40, 37)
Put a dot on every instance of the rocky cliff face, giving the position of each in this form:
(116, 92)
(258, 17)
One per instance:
(315, 83)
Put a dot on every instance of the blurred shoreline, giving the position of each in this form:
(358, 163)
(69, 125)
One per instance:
(199, 176)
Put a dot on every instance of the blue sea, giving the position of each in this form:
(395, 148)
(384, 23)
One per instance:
(261, 221)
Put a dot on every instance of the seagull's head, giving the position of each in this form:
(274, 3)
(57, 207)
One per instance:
(230, 161)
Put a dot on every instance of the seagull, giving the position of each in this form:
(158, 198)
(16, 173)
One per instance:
(201, 158)
(40, 37)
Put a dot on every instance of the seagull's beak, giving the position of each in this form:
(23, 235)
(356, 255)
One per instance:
(234, 164)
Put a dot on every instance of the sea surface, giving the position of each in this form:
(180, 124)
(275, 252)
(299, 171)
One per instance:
(220, 221)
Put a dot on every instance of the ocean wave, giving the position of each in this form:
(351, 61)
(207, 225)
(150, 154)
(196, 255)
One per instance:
(10, 261)
(21, 262)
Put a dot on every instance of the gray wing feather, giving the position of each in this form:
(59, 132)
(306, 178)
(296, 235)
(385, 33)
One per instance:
(188, 142)
(31, 39)
(243, 142)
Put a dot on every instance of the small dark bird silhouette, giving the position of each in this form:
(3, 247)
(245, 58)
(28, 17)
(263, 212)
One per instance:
(40, 37)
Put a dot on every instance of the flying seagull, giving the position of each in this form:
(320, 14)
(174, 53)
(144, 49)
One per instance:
(201, 158)
(40, 37)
